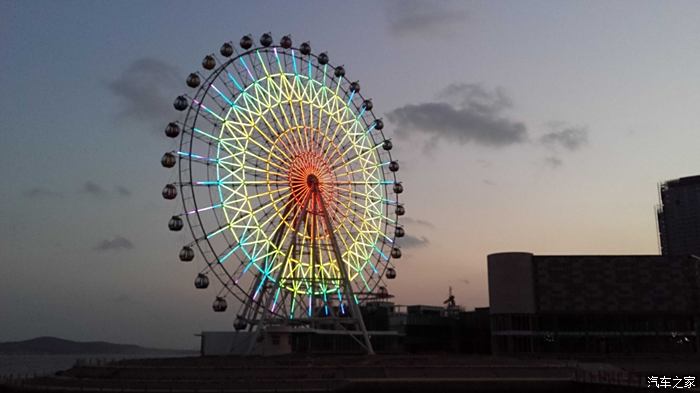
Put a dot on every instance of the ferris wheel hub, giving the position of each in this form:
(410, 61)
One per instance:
(310, 173)
(312, 181)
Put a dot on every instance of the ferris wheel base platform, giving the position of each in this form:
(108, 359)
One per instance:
(282, 341)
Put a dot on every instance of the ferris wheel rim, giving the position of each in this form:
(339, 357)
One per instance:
(202, 92)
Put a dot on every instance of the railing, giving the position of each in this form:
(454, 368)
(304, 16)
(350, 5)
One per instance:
(608, 377)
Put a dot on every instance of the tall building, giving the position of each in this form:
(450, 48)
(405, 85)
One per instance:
(679, 216)
(594, 303)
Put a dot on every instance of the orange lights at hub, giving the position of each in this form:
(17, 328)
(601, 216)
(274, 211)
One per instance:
(308, 170)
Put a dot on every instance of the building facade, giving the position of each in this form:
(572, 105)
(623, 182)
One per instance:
(678, 216)
(594, 304)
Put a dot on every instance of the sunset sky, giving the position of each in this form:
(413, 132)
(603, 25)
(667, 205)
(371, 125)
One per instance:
(520, 126)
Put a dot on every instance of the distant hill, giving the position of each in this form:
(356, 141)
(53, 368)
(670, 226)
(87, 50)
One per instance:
(54, 345)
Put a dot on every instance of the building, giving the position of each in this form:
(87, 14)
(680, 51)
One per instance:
(437, 329)
(678, 216)
(392, 329)
(594, 304)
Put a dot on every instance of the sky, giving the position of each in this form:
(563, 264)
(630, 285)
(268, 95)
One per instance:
(533, 126)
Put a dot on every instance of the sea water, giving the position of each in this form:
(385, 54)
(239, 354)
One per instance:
(30, 365)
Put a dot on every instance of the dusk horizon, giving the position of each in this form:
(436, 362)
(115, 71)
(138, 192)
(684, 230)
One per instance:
(535, 127)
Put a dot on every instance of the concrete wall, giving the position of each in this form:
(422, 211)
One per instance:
(225, 343)
(511, 285)
(617, 283)
(273, 342)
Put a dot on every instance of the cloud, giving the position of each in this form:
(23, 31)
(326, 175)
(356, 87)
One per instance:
(477, 97)
(123, 191)
(146, 90)
(117, 243)
(409, 241)
(123, 298)
(571, 138)
(553, 162)
(484, 163)
(98, 191)
(463, 113)
(41, 192)
(409, 220)
(423, 17)
(93, 189)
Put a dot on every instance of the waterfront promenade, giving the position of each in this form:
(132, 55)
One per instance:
(381, 373)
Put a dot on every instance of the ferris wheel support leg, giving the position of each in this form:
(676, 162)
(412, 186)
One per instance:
(346, 278)
(277, 240)
(267, 305)
(314, 258)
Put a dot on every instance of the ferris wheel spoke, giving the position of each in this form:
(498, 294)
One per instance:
(270, 109)
(308, 98)
(360, 199)
(285, 91)
(207, 110)
(278, 122)
(264, 62)
(282, 109)
(352, 192)
(232, 249)
(245, 65)
(290, 91)
(281, 191)
(258, 128)
(303, 268)
(228, 100)
(299, 141)
(356, 145)
(345, 121)
(214, 183)
(367, 209)
(372, 167)
(362, 156)
(358, 153)
(360, 233)
(197, 158)
(359, 236)
(339, 227)
(222, 141)
(360, 183)
(261, 91)
(220, 99)
(233, 92)
(341, 115)
(365, 268)
(269, 162)
(322, 91)
(289, 143)
(290, 201)
(253, 168)
(332, 115)
(289, 266)
(252, 104)
(243, 115)
(300, 88)
(282, 160)
(235, 82)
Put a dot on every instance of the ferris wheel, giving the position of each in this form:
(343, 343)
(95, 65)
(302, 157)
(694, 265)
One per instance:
(288, 187)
